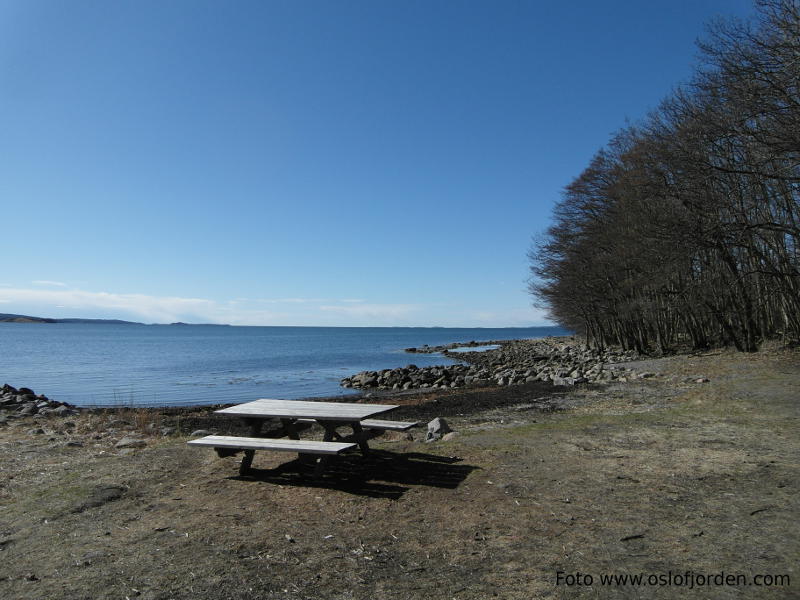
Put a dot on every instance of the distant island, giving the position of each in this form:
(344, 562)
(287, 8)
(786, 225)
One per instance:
(11, 318)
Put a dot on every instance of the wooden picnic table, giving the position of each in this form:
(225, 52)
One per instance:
(293, 414)
(330, 415)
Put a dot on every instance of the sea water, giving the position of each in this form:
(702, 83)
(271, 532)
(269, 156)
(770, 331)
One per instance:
(156, 365)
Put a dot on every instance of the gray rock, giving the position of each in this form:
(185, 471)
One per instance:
(64, 411)
(166, 431)
(129, 442)
(436, 429)
(201, 433)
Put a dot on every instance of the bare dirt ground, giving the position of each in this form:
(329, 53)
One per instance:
(650, 476)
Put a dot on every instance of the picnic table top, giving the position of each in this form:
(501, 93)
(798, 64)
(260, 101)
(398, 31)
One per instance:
(296, 409)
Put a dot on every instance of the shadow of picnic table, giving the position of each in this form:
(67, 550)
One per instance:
(380, 474)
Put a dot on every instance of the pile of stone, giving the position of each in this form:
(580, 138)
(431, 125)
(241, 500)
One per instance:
(414, 377)
(23, 402)
(562, 361)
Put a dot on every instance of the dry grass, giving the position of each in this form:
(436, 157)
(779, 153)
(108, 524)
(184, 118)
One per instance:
(650, 476)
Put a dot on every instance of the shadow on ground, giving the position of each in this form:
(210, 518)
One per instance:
(381, 474)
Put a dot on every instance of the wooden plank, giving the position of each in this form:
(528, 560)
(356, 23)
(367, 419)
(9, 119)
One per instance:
(293, 409)
(337, 405)
(392, 425)
(275, 402)
(290, 408)
(377, 424)
(300, 446)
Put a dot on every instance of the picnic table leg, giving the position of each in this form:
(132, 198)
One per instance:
(358, 433)
(290, 429)
(330, 435)
(321, 464)
(291, 432)
(255, 425)
(247, 460)
(330, 431)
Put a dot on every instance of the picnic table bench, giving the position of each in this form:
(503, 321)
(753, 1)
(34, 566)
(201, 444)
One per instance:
(377, 424)
(295, 415)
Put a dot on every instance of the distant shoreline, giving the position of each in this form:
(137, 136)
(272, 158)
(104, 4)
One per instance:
(28, 319)
(12, 318)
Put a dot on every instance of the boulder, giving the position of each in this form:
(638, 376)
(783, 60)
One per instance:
(130, 442)
(437, 429)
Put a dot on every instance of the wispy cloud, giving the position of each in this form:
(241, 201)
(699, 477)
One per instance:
(167, 309)
(156, 308)
(302, 300)
(50, 283)
(243, 311)
(367, 312)
(290, 300)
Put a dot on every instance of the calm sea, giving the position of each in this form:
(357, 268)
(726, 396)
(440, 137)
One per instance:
(150, 365)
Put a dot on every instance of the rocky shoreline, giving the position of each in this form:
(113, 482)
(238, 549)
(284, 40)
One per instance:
(562, 361)
(24, 402)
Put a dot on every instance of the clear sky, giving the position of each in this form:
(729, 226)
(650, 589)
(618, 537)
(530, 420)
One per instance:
(309, 162)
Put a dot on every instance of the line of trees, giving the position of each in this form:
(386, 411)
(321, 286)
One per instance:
(686, 227)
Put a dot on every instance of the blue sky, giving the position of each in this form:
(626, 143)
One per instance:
(306, 162)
